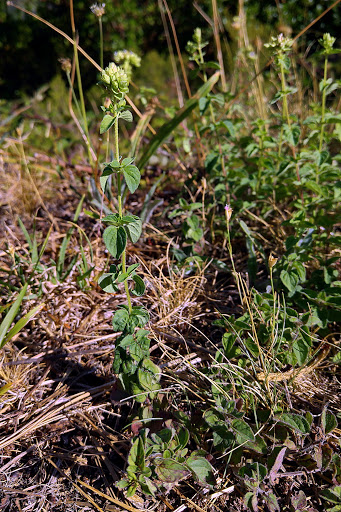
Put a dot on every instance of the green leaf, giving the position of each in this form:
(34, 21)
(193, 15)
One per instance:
(292, 134)
(149, 375)
(123, 483)
(106, 123)
(107, 283)
(120, 320)
(299, 502)
(272, 503)
(289, 279)
(132, 176)
(333, 495)
(301, 350)
(112, 218)
(328, 420)
(126, 115)
(115, 240)
(104, 177)
(134, 229)
(137, 454)
(243, 430)
(170, 471)
(132, 489)
(202, 470)
(139, 287)
(258, 445)
(183, 436)
(295, 421)
(169, 126)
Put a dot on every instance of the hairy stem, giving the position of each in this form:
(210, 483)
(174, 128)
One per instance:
(323, 102)
(100, 41)
(120, 212)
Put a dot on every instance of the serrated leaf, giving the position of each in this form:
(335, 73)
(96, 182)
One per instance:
(105, 176)
(137, 454)
(126, 115)
(107, 283)
(295, 421)
(112, 218)
(149, 375)
(115, 239)
(106, 123)
(134, 229)
(202, 470)
(120, 320)
(132, 176)
(170, 471)
(243, 430)
(139, 287)
(328, 420)
(299, 502)
(301, 350)
(289, 279)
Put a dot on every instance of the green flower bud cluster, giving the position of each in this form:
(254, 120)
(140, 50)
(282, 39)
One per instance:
(281, 44)
(327, 42)
(194, 47)
(128, 60)
(115, 80)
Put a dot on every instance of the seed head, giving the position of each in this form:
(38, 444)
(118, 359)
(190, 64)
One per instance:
(272, 261)
(98, 9)
(66, 64)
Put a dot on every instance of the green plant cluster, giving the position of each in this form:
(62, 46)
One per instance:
(137, 373)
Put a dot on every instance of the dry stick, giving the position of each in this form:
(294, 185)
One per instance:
(184, 74)
(218, 44)
(79, 79)
(169, 14)
(171, 54)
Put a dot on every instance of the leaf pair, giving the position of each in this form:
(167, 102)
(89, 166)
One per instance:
(130, 172)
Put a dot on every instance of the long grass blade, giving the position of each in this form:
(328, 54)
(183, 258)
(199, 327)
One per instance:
(169, 126)
(22, 322)
(5, 324)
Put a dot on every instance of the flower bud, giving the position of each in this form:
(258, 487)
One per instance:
(115, 80)
(228, 213)
(272, 261)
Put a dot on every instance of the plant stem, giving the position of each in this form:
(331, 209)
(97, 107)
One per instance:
(120, 212)
(323, 102)
(274, 311)
(73, 93)
(100, 40)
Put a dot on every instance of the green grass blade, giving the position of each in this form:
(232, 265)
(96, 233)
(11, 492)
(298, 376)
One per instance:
(5, 324)
(169, 126)
(21, 323)
(26, 233)
(66, 240)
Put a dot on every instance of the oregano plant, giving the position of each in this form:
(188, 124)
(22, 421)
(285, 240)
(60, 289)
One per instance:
(138, 375)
